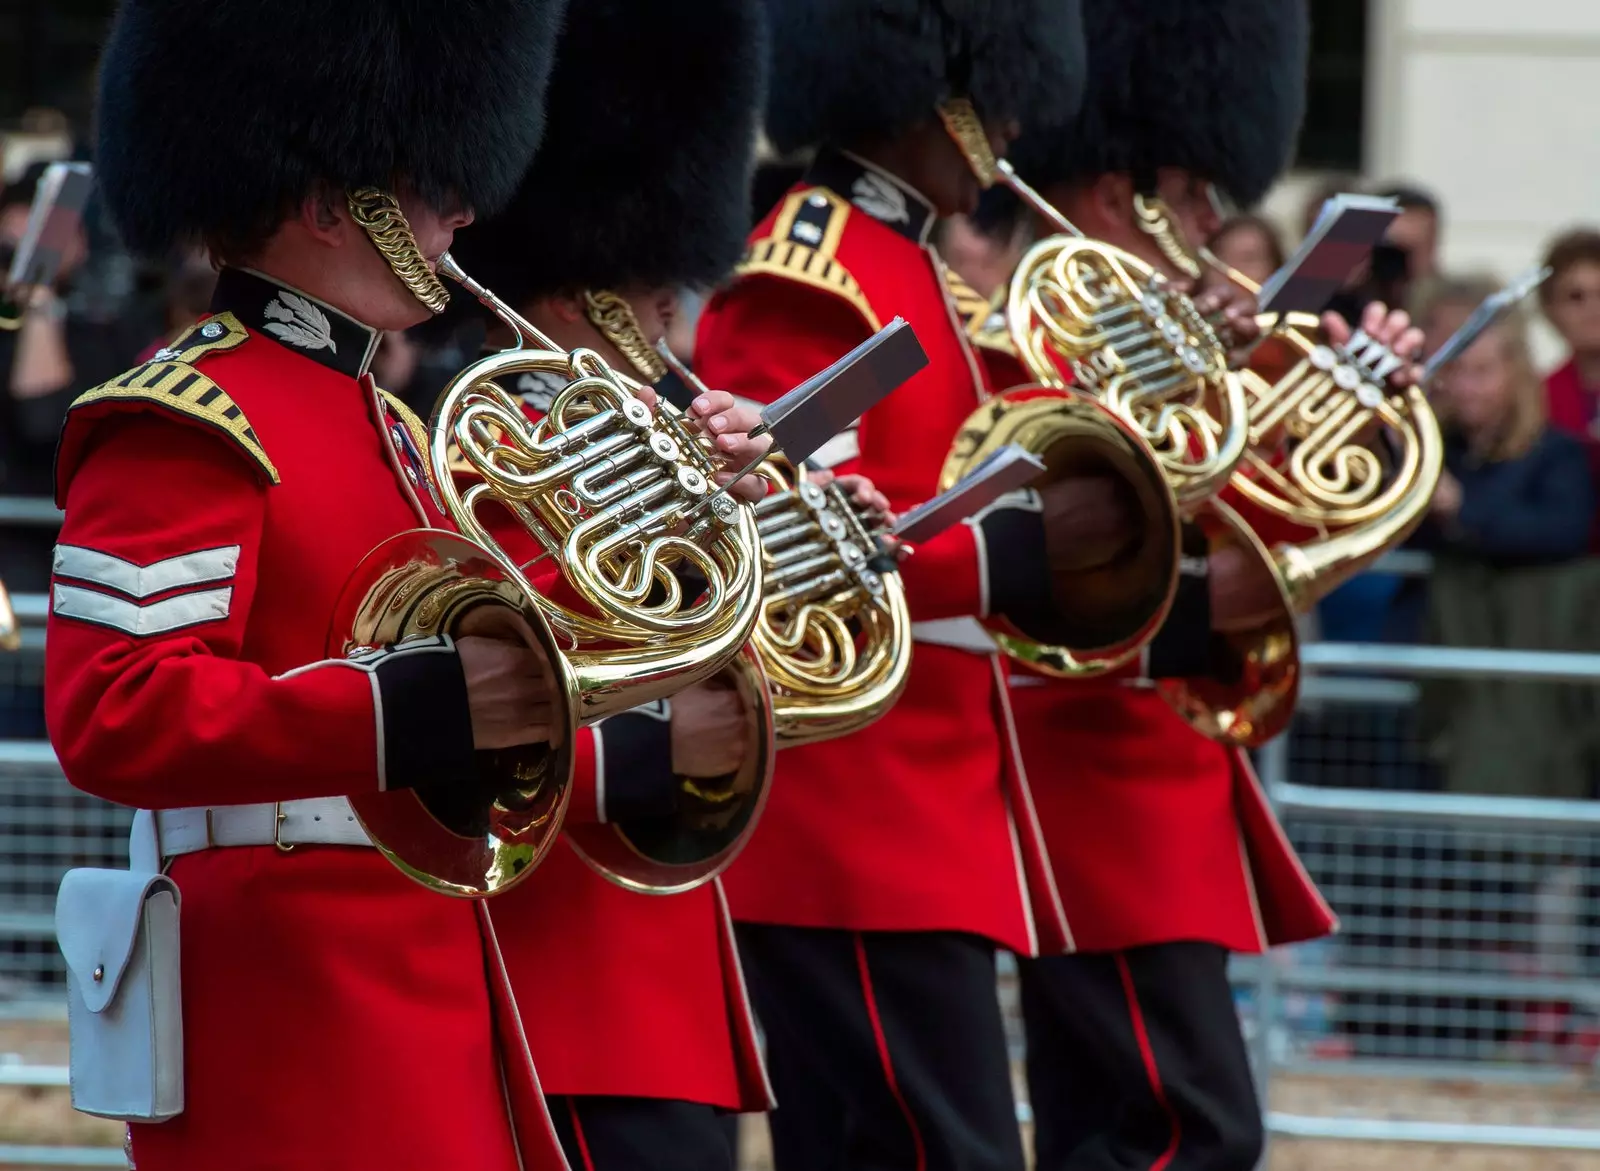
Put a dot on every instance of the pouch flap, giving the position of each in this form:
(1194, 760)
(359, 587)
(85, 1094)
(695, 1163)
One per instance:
(97, 921)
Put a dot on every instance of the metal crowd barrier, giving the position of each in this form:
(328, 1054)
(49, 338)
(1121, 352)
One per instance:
(1469, 949)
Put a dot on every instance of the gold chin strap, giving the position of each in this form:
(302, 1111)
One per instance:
(1155, 220)
(380, 217)
(964, 126)
(615, 320)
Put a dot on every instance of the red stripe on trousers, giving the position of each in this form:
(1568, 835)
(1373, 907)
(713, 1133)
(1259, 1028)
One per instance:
(577, 1130)
(883, 1050)
(1151, 1070)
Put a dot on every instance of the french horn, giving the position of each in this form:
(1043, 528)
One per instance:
(620, 500)
(1130, 379)
(1341, 463)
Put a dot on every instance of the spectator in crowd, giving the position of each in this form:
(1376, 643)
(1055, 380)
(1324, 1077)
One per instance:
(57, 353)
(1409, 254)
(1508, 525)
(1571, 303)
(1515, 490)
(1250, 244)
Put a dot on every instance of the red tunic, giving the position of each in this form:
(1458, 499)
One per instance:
(922, 821)
(337, 1014)
(1158, 835)
(625, 994)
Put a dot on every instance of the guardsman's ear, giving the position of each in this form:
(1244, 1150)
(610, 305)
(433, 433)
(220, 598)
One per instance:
(569, 307)
(324, 217)
(1112, 199)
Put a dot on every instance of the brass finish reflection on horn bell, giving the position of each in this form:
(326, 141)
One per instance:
(470, 835)
(680, 851)
(1113, 612)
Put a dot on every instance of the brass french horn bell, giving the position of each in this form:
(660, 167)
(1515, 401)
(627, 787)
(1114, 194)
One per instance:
(620, 500)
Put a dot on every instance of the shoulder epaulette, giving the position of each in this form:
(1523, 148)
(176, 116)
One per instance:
(972, 308)
(214, 335)
(170, 382)
(983, 320)
(803, 247)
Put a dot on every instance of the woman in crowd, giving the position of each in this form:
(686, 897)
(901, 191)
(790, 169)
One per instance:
(1508, 527)
(1251, 244)
(1571, 303)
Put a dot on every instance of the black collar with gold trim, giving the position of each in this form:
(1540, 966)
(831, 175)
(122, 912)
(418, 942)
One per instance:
(297, 321)
(874, 191)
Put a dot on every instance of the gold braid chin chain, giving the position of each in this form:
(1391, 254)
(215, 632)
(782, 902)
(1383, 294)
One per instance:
(963, 125)
(614, 318)
(380, 217)
(1155, 221)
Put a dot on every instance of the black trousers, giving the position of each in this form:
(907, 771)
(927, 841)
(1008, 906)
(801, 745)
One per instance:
(886, 1050)
(1135, 1060)
(640, 1134)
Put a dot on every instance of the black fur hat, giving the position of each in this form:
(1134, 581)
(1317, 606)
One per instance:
(849, 71)
(216, 117)
(644, 175)
(1214, 86)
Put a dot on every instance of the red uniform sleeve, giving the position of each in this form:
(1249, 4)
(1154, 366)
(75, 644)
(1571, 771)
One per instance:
(763, 337)
(148, 700)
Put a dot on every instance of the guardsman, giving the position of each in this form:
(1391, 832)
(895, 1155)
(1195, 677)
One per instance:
(633, 1003)
(217, 500)
(1165, 851)
(890, 863)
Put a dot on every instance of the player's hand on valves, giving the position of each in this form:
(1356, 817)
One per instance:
(511, 686)
(729, 424)
(1232, 312)
(1391, 329)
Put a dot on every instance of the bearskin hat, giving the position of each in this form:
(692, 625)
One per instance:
(644, 174)
(850, 71)
(1216, 87)
(216, 117)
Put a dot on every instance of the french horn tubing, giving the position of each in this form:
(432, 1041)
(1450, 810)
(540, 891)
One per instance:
(1351, 464)
(621, 500)
(835, 633)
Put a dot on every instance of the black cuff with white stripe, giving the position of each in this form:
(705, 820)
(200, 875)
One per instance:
(1017, 567)
(426, 724)
(1185, 646)
(637, 780)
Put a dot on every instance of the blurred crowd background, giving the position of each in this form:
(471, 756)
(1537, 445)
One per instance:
(1408, 98)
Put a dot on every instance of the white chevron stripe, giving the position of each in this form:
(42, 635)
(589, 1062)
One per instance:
(141, 581)
(161, 617)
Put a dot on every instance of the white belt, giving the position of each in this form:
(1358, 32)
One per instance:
(962, 634)
(327, 821)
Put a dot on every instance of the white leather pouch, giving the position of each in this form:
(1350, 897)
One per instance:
(118, 930)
